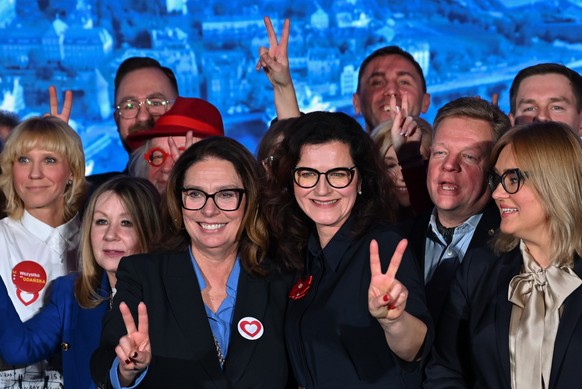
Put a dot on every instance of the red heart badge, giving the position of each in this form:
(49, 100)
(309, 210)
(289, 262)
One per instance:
(299, 290)
(250, 328)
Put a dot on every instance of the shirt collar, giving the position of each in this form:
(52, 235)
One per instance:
(335, 248)
(231, 283)
(469, 224)
(43, 231)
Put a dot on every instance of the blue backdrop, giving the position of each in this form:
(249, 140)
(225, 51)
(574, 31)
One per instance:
(465, 47)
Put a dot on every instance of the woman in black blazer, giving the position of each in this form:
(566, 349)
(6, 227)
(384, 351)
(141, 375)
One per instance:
(216, 310)
(514, 315)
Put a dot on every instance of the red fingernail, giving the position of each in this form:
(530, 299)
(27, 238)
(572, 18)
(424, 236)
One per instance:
(392, 306)
(127, 361)
(386, 298)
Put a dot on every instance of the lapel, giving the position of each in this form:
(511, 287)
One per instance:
(417, 239)
(187, 306)
(510, 267)
(487, 226)
(569, 322)
(252, 298)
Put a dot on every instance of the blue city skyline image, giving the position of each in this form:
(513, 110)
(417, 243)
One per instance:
(465, 47)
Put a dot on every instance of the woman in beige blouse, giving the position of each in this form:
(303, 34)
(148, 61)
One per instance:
(514, 315)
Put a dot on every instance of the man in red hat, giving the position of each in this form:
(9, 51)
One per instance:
(155, 151)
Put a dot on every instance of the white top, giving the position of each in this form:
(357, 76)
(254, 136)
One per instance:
(32, 254)
(49, 253)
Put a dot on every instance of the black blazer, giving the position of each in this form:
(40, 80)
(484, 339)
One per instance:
(471, 349)
(184, 354)
(416, 231)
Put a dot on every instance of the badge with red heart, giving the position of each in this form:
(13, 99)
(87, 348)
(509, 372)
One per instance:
(299, 290)
(29, 278)
(250, 328)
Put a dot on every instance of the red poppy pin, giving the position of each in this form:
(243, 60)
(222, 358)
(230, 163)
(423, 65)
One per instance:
(299, 290)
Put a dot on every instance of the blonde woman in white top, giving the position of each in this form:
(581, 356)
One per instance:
(43, 179)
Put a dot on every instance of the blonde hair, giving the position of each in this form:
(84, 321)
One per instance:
(52, 134)
(551, 156)
(141, 200)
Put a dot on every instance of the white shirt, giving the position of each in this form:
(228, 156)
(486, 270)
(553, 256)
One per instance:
(32, 254)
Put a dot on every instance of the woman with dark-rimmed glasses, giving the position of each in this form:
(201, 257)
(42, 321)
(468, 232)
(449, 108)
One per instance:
(356, 316)
(216, 306)
(514, 315)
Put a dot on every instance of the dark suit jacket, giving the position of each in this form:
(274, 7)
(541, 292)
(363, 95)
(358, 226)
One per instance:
(471, 349)
(184, 354)
(416, 232)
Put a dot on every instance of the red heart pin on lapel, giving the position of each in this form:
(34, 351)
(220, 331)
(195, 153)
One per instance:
(250, 328)
(299, 290)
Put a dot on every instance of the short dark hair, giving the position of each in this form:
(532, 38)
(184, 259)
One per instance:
(8, 119)
(546, 68)
(474, 108)
(391, 50)
(136, 63)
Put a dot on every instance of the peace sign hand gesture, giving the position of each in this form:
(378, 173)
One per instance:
(54, 104)
(274, 60)
(386, 295)
(134, 350)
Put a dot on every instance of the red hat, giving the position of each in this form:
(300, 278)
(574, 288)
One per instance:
(187, 114)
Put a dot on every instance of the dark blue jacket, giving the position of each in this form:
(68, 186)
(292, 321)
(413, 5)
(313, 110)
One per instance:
(62, 325)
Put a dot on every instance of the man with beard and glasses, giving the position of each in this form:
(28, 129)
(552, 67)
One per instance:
(144, 91)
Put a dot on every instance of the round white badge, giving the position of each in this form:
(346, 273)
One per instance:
(250, 328)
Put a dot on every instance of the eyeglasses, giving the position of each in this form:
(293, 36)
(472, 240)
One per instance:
(338, 178)
(225, 200)
(511, 180)
(129, 109)
(157, 156)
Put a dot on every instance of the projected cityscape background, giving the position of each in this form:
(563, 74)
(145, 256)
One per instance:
(466, 47)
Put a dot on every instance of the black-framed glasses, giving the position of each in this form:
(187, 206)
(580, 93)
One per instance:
(511, 180)
(156, 106)
(225, 200)
(338, 178)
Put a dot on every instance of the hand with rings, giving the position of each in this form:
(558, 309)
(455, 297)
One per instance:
(134, 349)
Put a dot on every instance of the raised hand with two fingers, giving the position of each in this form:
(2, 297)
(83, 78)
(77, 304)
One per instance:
(65, 114)
(134, 350)
(386, 295)
(275, 62)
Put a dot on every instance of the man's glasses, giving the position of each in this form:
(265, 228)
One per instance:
(225, 200)
(338, 178)
(129, 109)
(511, 180)
(157, 156)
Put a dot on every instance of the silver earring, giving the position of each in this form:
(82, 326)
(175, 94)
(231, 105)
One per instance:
(69, 182)
(359, 191)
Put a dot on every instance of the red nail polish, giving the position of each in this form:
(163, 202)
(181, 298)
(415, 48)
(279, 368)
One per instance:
(386, 298)
(392, 306)
(127, 361)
